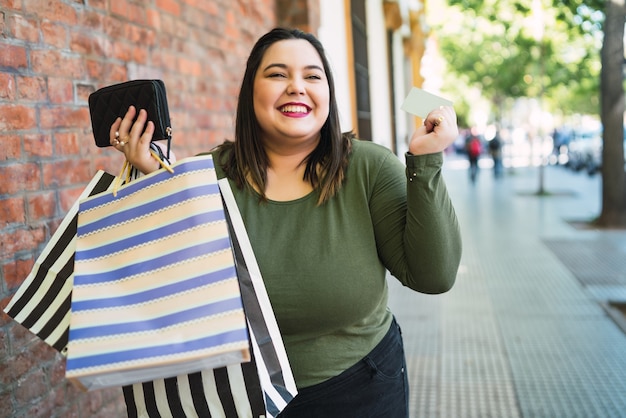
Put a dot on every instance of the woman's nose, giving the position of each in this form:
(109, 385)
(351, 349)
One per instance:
(296, 86)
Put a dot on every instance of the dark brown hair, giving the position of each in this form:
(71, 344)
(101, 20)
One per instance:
(245, 159)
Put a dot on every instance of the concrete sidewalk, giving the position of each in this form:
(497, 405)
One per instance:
(524, 332)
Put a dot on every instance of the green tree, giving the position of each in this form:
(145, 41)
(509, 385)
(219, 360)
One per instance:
(571, 54)
(511, 51)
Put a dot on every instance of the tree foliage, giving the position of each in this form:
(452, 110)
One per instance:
(570, 53)
(512, 49)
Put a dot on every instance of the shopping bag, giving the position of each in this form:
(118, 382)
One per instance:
(42, 302)
(261, 387)
(155, 287)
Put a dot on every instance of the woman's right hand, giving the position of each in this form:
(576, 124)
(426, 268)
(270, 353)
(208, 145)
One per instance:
(130, 138)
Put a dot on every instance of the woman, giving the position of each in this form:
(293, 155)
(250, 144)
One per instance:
(327, 216)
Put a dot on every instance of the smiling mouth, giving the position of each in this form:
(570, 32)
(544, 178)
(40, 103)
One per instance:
(295, 109)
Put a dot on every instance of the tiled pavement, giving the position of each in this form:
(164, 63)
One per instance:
(524, 332)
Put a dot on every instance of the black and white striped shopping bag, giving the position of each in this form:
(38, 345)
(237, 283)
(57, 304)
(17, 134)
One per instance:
(42, 302)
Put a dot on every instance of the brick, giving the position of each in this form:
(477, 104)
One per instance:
(23, 28)
(112, 396)
(92, 402)
(54, 224)
(31, 88)
(60, 90)
(21, 337)
(83, 91)
(15, 272)
(16, 117)
(111, 163)
(53, 10)
(92, 19)
(56, 63)
(135, 13)
(115, 72)
(112, 409)
(19, 177)
(99, 4)
(11, 211)
(4, 344)
(22, 363)
(32, 385)
(21, 240)
(4, 318)
(190, 67)
(153, 19)
(54, 34)
(37, 145)
(140, 55)
(92, 44)
(12, 5)
(61, 405)
(44, 407)
(66, 143)
(13, 56)
(11, 147)
(113, 27)
(57, 373)
(81, 43)
(65, 173)
(6, 400)
(121, 8)
(67, 197)
(41, 205)
(143, 36)
(64, 117)
(169, 6)
(7, 87)
(122, 51)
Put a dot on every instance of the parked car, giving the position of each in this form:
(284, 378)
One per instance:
(580, 148)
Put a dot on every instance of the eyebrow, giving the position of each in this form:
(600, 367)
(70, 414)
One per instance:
(308, 67)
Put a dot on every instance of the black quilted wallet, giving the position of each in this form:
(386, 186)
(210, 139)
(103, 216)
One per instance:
(107, 103)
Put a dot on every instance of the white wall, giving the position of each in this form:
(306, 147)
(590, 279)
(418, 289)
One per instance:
(332, 34)
(378, 72)
(402, 84)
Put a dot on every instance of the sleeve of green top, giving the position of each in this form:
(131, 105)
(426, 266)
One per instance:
(417, 231)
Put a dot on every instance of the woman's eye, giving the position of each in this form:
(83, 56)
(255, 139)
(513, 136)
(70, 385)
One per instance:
(314, 77)
(276, 75)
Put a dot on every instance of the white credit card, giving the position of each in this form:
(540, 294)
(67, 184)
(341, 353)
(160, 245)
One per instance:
(420, 102)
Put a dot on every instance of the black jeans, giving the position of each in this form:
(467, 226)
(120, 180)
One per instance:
(377, 386)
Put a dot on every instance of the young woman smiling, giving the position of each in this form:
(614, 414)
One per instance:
(328, 216)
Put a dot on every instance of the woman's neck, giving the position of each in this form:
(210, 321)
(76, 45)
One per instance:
(285, 174)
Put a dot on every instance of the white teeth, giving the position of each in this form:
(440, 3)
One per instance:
(294, 109)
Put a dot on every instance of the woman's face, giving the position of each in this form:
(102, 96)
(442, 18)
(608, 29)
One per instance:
(291, 94)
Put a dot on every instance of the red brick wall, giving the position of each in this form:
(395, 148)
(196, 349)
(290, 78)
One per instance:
(302, 14)
(53, 54)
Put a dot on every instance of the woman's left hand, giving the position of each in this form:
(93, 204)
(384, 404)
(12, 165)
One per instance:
(438, 132)
(128, 136)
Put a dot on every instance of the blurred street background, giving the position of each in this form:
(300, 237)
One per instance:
(529, 329)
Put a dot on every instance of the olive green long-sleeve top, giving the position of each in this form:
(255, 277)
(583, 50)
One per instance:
(325, 266)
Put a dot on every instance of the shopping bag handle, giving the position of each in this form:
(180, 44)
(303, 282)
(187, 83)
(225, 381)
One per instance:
(127, 168)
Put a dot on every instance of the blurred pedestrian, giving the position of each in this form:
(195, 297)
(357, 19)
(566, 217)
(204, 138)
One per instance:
(495, 149)
(473, 146)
